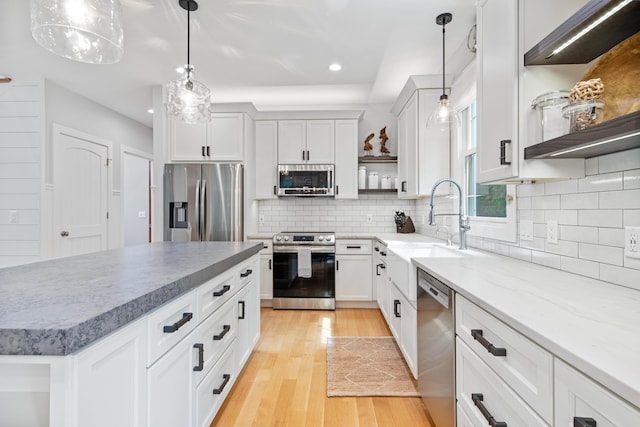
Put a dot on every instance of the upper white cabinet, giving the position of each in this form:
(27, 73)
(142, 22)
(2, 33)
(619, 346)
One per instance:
(266, 159)
(346, 148)
(222, 139)
(506, 123)
(306, 141)
(423, 153)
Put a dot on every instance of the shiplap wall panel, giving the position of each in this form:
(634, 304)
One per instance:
(21, 127)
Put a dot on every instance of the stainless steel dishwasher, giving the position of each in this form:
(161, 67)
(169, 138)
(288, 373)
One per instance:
(436, 350)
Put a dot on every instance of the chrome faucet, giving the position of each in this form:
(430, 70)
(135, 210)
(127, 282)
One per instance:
(463, 220)
(446, 230)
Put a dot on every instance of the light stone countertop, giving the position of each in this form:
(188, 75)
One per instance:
(592, 325)
(59, 306)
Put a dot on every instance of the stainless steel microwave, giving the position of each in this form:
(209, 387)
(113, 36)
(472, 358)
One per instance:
(306, 180)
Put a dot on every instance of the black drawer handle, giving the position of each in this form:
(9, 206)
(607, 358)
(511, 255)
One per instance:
(241, 304)
(354, 247)
(225, 331)
(477, 400)
(246, 273)
(503, 151)
(203, 151)
(377, 249)
(583, 422)
(265, 246)
(180, 323)
(226, 378)
(378, 269)
(269, 264)
(396, 306)
(403, 186)
(225, 289)
(200, 365)
(496, 351)
(383, 253)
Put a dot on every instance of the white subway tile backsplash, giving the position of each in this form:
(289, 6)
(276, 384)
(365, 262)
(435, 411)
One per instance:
(537, 243)
(580, 266)
(611, 237)
(579, 201)
(565, 248)
(563, 217)
(578, 234)
(602, 182)
(632, 263)
(524, 203)
(591, 166)
(621, 161)
(520, 253)
(621, 276)
(631, 179)
(627, 199)
(600, 253)
(546, 259)
(561, 187)
(632, 218)
(600, 218)
(528, 190)
(545, 202)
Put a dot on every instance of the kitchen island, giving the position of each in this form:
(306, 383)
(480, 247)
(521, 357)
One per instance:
(58, 317)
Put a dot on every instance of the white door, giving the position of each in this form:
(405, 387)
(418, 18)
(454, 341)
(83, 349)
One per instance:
(81, 190)
(292, 142)
(320, 141)
(136, 199)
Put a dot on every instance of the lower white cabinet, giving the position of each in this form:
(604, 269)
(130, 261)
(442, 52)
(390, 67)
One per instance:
(111, 379)
(266, 268)
(353, 270)
(248, 320)
(212, 392)
(381, 278)
(579, 397)
(403, 322)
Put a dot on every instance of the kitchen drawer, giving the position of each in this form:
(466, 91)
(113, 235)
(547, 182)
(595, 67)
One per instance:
(462, 419)
(527, 367)
(579, 396)
(353, 247)
(214, 334)
(215, 292)
(267, 246)
(169, 324)
(212, 392)
(479, 390)
(248, 270)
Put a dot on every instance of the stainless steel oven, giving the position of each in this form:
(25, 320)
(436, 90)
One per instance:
(304, 270)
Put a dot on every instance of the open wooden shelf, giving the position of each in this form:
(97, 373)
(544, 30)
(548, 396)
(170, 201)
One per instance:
(377, 190)
(378, 159)
(626, 129)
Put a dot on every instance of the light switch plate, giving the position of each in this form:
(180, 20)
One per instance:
(142, 214)
(631, 243)
(526, 230)
(552, 232)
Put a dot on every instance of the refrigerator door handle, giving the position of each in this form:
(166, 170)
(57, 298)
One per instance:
(198, 208)
(203, 213)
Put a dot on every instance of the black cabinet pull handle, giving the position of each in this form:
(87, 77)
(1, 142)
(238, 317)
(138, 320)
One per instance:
(274, 190)
(396, 306)
(337, 265)
(337, 190)
(241, 304)
(303, 155)
(378, 269)
(225, 331)
(308, 157)
(377, 249)
(496, 351)
(208, 151)
(583, 422)
(383, 253)
(203, 151)
(403, 186)
(503, 151)
(200, 365)
(246, 273)
(354, 247)
(265, 246)
(477, 400)
(226, 378)
(269, 264)
(180, 323)
(225, 289)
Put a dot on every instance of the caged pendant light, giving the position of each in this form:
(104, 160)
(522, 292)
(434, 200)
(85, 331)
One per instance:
(188, 99)
(443, 117)
(87, 31)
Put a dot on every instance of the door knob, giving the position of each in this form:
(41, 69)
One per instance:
(64, 233)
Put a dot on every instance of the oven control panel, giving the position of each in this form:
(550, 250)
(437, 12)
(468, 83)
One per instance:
(305, 238)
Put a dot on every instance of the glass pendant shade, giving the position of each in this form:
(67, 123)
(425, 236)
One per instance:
(188, 100)
(443, 116)
(82, 30)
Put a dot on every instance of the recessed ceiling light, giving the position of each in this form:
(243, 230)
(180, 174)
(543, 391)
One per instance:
(335, 67)
(150, 111)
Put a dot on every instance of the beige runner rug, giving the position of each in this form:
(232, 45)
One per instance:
(367, 366)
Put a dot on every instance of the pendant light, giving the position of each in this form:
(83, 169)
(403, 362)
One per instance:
(443, 117)
(187, 99)
(82, 30)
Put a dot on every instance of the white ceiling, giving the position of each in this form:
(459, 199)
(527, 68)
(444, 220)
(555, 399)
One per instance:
(274, 53)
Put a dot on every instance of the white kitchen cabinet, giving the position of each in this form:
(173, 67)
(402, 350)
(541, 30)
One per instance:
(171, 387)
(306, 141)
(506, 29)
(346, 159)
(112, 376)
(266, 159)
(423, 153)
(222, 139)
(215, 388)
(403, 322)
(381, 277)
(248, 316)
(482, 394)
(576, 395)
(353, 270)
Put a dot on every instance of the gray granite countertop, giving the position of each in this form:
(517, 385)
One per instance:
(59, 306)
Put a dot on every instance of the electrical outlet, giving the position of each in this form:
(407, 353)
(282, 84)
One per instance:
(13, 217)
(261, 219)
(631, 243)
(526, 229)
(369, 218)
(142, 214)
(552, 232)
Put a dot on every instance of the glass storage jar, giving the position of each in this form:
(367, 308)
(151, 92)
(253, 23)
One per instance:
(583, 114)
(549, 115)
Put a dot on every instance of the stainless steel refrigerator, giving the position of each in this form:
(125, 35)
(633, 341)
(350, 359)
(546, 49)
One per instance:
(203, 202)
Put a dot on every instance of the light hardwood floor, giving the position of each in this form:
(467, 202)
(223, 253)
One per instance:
(284, 382)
